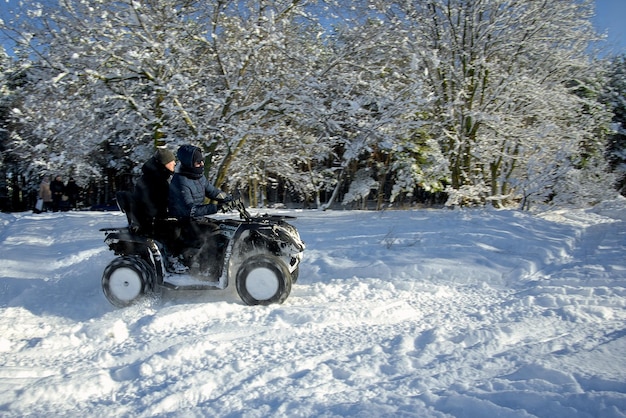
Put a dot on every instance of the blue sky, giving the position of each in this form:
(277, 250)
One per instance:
(611, 19)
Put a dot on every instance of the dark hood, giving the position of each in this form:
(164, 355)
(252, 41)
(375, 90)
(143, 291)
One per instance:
(187, 155)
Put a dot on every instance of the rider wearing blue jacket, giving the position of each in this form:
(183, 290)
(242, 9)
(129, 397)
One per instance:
(189, 187)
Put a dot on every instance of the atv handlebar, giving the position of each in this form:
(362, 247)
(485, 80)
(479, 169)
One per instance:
(241, 208)
(236, 204)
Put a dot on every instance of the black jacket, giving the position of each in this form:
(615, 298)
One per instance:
(151, 193)
(57, 188)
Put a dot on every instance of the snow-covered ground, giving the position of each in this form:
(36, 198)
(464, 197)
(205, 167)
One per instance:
(423, 313)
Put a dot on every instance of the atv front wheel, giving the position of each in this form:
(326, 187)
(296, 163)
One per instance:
(125, 280)
(295, 274)
(262, 280)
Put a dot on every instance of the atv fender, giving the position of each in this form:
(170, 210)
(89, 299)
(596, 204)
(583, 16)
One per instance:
(125, 243)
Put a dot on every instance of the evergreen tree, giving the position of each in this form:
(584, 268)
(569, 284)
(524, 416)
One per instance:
(614, 98)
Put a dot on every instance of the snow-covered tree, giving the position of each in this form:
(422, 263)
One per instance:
(483, 97)
(137, 74)
(500, 73)
(357, 100)
(6, 103)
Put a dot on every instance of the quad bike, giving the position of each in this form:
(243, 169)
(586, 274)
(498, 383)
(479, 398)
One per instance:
(261, 253)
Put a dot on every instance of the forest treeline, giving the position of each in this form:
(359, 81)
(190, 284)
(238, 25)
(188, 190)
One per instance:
(318, 103)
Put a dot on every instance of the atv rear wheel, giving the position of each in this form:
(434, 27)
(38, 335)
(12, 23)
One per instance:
(262, 280)
(125, 280)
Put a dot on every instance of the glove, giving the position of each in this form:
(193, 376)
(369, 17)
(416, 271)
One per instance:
(224, 197)
(227, 206)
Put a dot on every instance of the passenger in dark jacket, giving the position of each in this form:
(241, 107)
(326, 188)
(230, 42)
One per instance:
(152, 188)
(189, 187)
